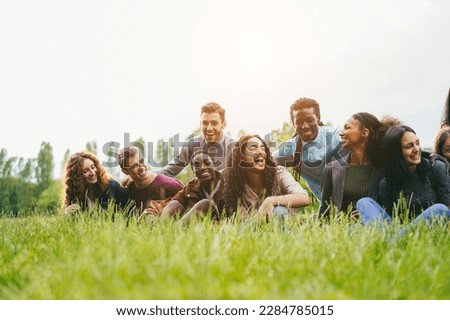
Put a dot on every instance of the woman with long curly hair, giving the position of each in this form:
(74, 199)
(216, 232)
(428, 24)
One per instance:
(88, 183)
(254, 182)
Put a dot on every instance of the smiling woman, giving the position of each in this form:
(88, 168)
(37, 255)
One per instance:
(408, 173)
(358, 174)
(254, 182)
(201, 195)
(87, 184)
(425, 186)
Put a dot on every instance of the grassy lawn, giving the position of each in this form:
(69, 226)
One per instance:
(55, 257)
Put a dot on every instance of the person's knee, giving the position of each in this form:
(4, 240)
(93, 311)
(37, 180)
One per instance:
(363, 203)
(198, 211)
(439, 209)
(173, 208)
(202, 206)
(370, 211)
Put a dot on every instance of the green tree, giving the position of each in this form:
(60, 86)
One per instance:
(25, 198)
(164, 151)
(3, 158)
(50, 199)
(139, 143)
(91, 147)
(283, 134)
(17, 191)
(63, 162)
(25, 169)
(44, 168)
(6, 164)
(10, 198)
(6, 181)
(195, 132)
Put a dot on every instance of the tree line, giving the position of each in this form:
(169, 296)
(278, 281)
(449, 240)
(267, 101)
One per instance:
(28, 184)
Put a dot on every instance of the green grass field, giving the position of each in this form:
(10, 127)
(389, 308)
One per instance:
(56, 257)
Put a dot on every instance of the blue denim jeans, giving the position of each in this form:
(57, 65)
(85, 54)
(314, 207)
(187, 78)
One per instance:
(372, 213)
(280, 212)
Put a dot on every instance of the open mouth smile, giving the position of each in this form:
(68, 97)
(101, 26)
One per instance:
(260, 160)
(204, 174)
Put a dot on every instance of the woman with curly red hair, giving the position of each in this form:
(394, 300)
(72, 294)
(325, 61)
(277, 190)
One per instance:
(87, 183)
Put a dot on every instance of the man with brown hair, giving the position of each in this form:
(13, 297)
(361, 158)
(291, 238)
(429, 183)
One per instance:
(212, 140)
(146, 186)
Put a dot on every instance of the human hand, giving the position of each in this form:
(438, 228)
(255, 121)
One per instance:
(150, 211)
(126, 183)
(71, 208)
(266, 209)
(355, 215)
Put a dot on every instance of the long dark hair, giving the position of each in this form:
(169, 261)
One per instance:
(397, 172)
(445, 118)
(234, 174)
(377, 130)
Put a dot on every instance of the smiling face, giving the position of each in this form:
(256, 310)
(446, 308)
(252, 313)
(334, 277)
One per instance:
(445, 150)
(89, 171)
(203, 167)
(352, 135)
(411, 149)
(255, 154)
(135, 167)
(212, 126)
(306, 123)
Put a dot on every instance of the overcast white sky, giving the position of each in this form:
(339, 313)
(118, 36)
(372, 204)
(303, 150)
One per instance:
(77, 71)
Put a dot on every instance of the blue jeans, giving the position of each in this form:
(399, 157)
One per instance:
(280, 212)
(372, 213)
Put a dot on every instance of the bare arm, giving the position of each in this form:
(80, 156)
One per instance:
(293, 195)
(294, 200)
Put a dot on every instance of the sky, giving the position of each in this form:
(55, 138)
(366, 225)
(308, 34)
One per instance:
(78, 71)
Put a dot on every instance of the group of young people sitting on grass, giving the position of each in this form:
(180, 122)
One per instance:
(362, 170)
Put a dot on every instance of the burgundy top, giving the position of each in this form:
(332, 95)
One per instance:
(161, 188)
